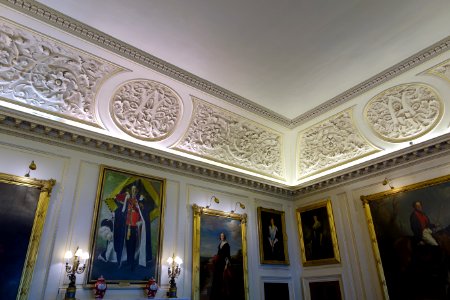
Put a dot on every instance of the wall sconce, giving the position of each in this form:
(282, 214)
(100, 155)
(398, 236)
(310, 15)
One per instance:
(213, 198)
(386, 181)
(76, 267)
(241, 205)
(173, 271)
(31, 167)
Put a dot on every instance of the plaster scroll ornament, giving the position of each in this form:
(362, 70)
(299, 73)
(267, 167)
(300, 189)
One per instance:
(331, 143)
(404, 112)
(442, 70)
(146, 109)
(39, 72)
(225, 137)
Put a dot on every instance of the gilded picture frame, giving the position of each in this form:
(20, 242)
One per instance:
(216, 266)
(127, 229)
(273, 247)
(317, 234)
(409, 230)
(23, 209)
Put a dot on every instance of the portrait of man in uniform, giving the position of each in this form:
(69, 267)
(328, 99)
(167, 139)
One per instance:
(127, 226)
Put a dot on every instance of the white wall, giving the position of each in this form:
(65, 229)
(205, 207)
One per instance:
(70, 216)
(357, 269)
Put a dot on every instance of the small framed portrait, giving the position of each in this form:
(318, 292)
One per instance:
(23, 207)
(272, 237)
(219, 255)
(127, 231)
(409, 228)
(319, 288)
(317, 234)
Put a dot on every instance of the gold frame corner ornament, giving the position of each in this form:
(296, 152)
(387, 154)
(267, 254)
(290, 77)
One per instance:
(198, 212)
(336, 259)
(45, 187)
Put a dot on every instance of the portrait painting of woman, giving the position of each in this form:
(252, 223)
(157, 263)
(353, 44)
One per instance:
(317, 234)
(221, 256)
(272, 237)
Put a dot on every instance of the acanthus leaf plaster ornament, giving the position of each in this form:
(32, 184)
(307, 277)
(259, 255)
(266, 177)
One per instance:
(146, 109)
(404, 112)
(47, 75)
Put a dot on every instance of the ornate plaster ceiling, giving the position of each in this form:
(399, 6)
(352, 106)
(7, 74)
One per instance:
(287, 56)
(170, 83)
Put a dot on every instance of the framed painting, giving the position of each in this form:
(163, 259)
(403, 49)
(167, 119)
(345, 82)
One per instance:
(127, 230)
(23, 208)
(219, 255)
(272, 237)
(327, 287)
(317, 234)
(410, 234)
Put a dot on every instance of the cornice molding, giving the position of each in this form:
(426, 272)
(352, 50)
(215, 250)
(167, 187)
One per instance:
(62, 135)
(72, 26)
(88, 33)
(401, 67)
(410, 156)
(54, 133)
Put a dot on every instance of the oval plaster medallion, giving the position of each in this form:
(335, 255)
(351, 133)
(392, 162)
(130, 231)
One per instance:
(146, 109)
(404, 112)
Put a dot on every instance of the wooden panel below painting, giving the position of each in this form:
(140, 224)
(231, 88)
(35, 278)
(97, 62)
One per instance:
(321, 290)
(276, 291)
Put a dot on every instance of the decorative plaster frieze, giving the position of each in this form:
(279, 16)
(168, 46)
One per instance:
(145, 109)
(59, 20)
(223, 136)
(61, 135)
(50, 132)
(44, 74)
(442, 70)
(404, 112)
(400, 159)
(331, 143)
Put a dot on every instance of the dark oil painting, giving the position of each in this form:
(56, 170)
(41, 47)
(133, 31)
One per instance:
(18, 204)
(412, 231)
(221, 258)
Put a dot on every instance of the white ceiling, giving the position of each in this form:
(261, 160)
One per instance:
(288, 56)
